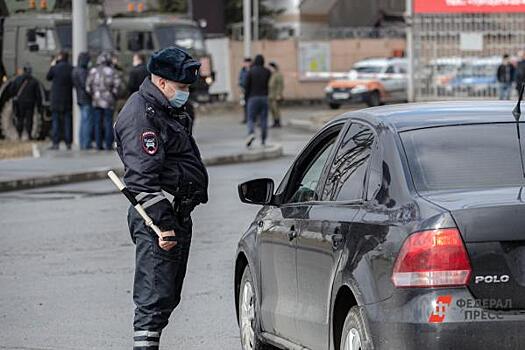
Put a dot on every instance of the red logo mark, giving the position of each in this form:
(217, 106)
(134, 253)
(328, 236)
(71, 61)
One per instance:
(438, 314)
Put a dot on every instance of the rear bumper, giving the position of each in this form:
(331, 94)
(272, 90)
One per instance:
(422, 319)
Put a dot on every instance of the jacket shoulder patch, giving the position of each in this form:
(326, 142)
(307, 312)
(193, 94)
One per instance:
(150, 142)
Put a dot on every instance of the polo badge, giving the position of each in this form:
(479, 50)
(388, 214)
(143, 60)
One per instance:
(150, 142)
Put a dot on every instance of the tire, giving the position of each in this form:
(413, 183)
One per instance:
(334, 105)
(250, 339)
(355, 334)
(373, 99)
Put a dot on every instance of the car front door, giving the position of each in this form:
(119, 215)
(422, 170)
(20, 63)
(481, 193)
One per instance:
(326, 227)
(277, 241)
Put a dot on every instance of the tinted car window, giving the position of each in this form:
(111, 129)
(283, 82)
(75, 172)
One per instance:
(138, 41)
(346, 177)
(465, 156)
(307, 185)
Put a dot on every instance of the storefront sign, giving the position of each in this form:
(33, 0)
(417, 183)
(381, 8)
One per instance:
(469, 6)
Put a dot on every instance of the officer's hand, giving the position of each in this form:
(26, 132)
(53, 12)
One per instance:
(167, 245)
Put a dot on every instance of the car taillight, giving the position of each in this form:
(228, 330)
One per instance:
(435, 258)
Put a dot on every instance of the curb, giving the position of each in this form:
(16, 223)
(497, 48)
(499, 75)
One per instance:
(272, 152)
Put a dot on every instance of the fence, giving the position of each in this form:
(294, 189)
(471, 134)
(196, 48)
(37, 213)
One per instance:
(456, 55)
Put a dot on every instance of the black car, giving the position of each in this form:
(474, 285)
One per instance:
(397, 227)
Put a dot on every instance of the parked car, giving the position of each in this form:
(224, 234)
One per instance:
(397, 227)
(439, 73)
(476, 77)
(373, 81)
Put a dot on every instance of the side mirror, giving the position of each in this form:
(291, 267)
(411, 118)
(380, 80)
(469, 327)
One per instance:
(259, 191)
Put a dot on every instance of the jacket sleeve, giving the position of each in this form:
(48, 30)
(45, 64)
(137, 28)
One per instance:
(280, 86)
(117, 84)
(247, 84)
(50, 73)
(89, 81)
(143, 169)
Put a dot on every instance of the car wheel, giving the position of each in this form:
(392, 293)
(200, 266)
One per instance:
(247, 315)
(373, 99)
(335, 105)
(355, 335)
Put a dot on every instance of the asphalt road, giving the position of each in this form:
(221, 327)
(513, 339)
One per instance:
(66, 264)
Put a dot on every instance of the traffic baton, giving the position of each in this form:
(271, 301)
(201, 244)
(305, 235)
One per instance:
(138, 207)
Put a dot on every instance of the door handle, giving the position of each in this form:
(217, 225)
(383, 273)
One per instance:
(337, 241)
(292, 234)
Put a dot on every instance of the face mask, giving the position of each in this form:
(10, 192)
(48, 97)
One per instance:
(179, 99)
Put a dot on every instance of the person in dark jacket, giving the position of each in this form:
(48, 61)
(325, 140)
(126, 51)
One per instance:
(243, 74)
(27, 94)
(61, 99)
(505, 76)
(137, 74)
(154, 141)
(520, 71)
(79, 76)
(257, 94)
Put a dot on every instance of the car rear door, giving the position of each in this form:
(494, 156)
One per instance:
(279, 230)
(327, 225)
(475, 172)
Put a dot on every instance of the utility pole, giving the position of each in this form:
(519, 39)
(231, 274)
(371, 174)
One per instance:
(190, 9)
(255, 20)
(79, 21)
(247, 30)
(409, 20)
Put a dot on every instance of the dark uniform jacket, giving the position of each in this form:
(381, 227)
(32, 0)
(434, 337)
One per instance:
(159, 153)
(28, 90)
(61, 86)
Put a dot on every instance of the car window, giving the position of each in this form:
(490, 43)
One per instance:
(41, 39)
(307, 183)
(346, 177)
(464, 156)
(390, 70)
(138, 41)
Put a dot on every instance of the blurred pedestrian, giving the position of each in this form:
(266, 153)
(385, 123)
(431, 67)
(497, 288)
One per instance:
(506, 76)
(61, 99)
(275, 95)
(26, 93)
(243, 74)
(520, 70)
(137, 74)
(103, 84)
(80, 74)
(257, 99)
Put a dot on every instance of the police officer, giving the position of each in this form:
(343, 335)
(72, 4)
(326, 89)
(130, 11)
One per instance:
(154, 141)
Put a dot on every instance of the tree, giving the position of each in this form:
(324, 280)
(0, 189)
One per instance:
(180, 6)
(234, 14)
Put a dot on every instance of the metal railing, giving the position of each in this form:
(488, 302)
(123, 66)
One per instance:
(447, 68)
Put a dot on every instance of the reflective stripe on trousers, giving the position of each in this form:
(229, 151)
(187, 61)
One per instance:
(146, 340)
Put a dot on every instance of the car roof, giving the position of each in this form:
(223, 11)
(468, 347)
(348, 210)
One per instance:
(410, 116)
(379, 62)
